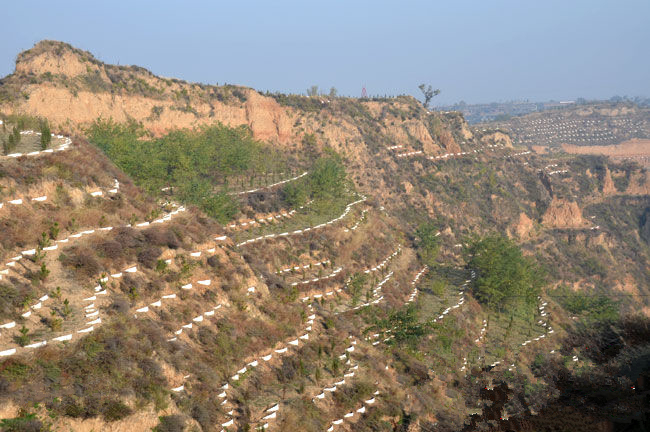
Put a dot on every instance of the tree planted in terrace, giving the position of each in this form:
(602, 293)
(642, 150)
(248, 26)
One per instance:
(405, 326)
(46, 135)
(326, 179)
(195, 162)
(427, 243)
(327, 176)
(504, 276)
(592, 307)
(15, 133)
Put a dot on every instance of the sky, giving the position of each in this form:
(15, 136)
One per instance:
(473, 51)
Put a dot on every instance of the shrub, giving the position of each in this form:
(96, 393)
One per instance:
(148, 257)
(161, 237)
(161, 266)
(71, 407)
(55, 324)
(110, 249)
(439, 287)
(113, 410)
(171, 423)
(213, 261)
(128, 237)
(25, 422)
(120, 305)
(80, 259)
(12, 297)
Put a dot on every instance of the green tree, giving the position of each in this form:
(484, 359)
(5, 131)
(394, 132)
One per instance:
(590, 306)
(44, 241)
(194, 162)
(220, 206)
(333, 92)
(11, 143)
(406, 327)
(16, 136)
(504, 276)
(327, 177)
(296, 194)
(54, 230)
(24, 337)
(44, 272)
(46, 135)
(356, 284)
(427, 243)
(310, 145)
(67, 310)
(312, 91)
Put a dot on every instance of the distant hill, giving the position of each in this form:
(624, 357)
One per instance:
(478, 113)
(503, 111)
(587, 124)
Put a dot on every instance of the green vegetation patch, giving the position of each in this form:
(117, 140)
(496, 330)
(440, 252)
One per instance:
(198, 164)
(504, 276)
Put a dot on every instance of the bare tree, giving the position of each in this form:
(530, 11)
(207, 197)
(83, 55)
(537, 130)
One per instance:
(428, 93)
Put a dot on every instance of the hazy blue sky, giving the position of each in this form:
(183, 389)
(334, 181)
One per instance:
(477, 51)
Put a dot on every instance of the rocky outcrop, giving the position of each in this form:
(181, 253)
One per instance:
(498, 138)
(524, 226)
(639, 184)
(563, 214)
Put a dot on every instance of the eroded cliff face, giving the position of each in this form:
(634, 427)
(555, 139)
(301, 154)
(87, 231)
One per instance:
(563, 214)
(498, 138)
(71, 88)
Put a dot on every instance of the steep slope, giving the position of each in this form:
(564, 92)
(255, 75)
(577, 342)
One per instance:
(338, 295)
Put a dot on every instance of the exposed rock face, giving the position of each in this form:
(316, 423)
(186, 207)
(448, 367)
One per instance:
(608, 183)
(465, 132)
(47, 57)
(497, 138)
(524, 226)
(265, 117)
(639, 184)
(563, 214)
(71, 88)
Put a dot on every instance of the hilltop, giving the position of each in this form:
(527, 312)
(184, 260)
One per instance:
(184, 257)
(79, 88)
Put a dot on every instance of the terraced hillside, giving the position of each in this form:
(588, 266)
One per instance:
(581, 125)
(373, 267)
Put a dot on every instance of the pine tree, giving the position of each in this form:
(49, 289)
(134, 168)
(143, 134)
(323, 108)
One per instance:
(16, 136)
(46, 136)
(11, 143)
